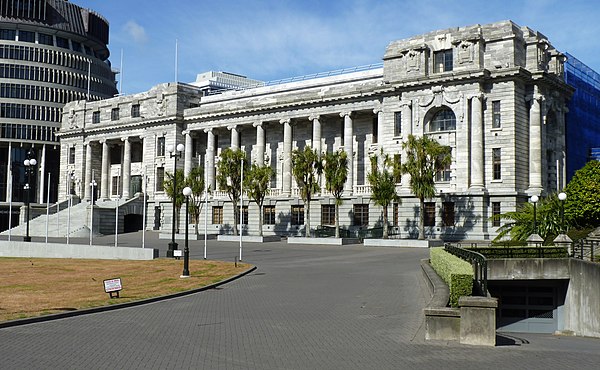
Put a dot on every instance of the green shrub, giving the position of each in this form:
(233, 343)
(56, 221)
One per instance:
(457, 273)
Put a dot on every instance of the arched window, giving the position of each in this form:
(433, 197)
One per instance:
(443, 120)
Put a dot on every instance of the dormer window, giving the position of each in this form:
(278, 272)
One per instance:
(442, 61)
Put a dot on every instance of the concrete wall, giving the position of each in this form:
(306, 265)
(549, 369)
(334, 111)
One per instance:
(42, 250)
(528, 269)
(582, 304)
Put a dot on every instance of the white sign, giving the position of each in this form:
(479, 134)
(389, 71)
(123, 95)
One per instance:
(112, 285)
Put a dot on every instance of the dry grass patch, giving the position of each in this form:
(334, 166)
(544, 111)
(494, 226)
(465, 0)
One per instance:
(40, 286)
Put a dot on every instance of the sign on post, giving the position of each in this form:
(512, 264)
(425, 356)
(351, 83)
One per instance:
(113, 287)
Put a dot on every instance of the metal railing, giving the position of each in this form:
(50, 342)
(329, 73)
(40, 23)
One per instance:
(586, 249)
(479, 263)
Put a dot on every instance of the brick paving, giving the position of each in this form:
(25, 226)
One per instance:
(305, 307)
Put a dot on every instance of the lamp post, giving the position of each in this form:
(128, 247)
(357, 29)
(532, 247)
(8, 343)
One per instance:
(562, 197)
(174, 153)
(187, 191)
(29, 170)
(534, 200)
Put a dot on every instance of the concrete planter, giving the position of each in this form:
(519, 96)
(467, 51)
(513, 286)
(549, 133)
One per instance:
(403, 243)
(56, 250)
(249, 238)
(321, 241)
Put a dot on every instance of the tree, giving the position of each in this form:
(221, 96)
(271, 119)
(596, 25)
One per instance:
(256, 183)
(335, 168)
(175, 192)
(383, 185)
(229, 178)
(582, 206)
(424, 158)
(306, 167)
(195, 181)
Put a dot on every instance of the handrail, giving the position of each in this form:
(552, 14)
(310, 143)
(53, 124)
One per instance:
(479, 263)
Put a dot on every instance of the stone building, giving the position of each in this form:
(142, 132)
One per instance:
(51, 52)
(494, 93)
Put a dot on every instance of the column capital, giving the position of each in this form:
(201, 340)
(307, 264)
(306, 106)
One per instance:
(285, 120)
(232, 127)
(207, 130)
(406, 103)
(257, 123)
(313, 117)
(125, 138)
(346, 113)
(377, 110)
(103, 141)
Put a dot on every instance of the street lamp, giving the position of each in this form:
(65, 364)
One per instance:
(534, 200)
(187, 191)
(562, 197)
(174, 153)
(29, 170)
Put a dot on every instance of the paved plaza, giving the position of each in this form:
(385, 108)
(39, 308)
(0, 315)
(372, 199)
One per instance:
(304, 307)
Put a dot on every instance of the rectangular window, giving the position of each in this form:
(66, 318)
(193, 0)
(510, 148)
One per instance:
(448, 213)
(397, 123)
(244, 215)
(269, 215)
(8, 35)
(297, 215)
(327, 214)
(496, 122)
(217, 215)
(160, 146)
(61, 42)
(160, 179)
(443, 175)
(115, 185)
(72, 155)
(375, 130)
(76, 46)
(361, 215)
(135, 110)
(429, 214)
(396, 215)
(96, 117)
(114, 114)
(26, 36)
(442, 61)
(495, 213)
(497, 163)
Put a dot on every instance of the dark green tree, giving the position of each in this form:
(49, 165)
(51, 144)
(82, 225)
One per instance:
(229, 178)
(383, 185)
(582, 206)
(176, 192)
(335, 169)
(256, 184)
(306, 167)
(424, 158)
(195, 181)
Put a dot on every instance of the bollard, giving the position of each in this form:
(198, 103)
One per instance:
(235, 261)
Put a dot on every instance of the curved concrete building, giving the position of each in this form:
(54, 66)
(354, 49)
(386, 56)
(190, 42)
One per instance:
(51, 52)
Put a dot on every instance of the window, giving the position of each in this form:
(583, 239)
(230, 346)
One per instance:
(396, 214)
(444, 174)
(397, 170)
(61, 42)
(397, 123)
(244, 215)
(72, 155)
(115, 185)
(160, 179)
(269, 215)
(429, 214)
(361, 215)
(448, 213)
(327, 214)
(297, 215)
(76, 46)
(8, 35)
(96, 117)
(160, 146)
(217, 214)
(444, 120)
(135, 110)
(26, 36)
(45, 39)
(495, 214)
(442, 61)
(497, 164)
(375, 130)
(496, 122)
(114, 114)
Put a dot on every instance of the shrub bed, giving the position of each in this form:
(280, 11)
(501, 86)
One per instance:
(457, 273)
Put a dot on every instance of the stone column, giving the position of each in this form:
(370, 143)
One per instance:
(407, 126)
(477, 164)
(104, 178)
(535, 146)
(88, 172)
(235, 137)
(42, 176)
(287, 156)
(316, 136)
(260, 143)
(349, 149)
(189, 150)
(210, 158)
(126, 168)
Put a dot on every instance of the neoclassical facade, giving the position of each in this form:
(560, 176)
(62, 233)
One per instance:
(494, 93)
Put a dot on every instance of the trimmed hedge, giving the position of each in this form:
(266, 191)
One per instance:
(457, 273)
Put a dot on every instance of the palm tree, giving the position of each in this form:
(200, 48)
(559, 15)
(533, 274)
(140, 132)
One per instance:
(177, 193)
(229, 178)
(335, 169)
(256, 183)
(306, 167)
(195, 181)
(424, 158)
(383, 185)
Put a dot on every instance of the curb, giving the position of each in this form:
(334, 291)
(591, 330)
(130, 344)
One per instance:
(87, 311)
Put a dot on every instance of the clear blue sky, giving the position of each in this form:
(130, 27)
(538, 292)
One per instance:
(270, 40)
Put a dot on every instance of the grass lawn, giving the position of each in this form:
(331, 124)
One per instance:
(40, 286)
